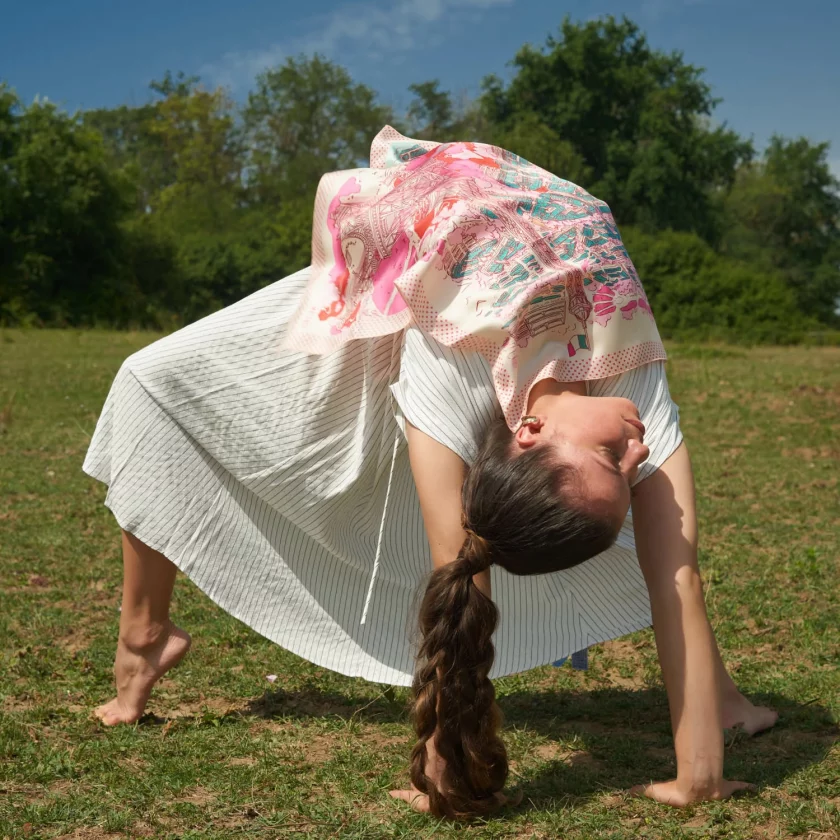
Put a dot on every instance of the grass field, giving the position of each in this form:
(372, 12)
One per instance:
(225, 754)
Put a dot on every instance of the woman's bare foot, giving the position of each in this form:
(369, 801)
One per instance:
(738, 711)
(139, 664)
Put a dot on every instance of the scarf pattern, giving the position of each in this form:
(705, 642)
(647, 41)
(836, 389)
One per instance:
(483, 251)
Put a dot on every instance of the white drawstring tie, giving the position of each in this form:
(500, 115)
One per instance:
(381, 529)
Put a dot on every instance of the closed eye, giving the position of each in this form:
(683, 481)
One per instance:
(615, 458)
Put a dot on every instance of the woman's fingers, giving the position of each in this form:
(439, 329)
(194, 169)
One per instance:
(418, 800)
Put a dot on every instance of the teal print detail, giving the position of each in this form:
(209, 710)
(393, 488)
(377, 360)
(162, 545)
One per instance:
(472, 260)
(550, 208)
(409, 153)
(563, 245)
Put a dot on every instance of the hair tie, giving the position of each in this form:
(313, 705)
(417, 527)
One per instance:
(480, 551)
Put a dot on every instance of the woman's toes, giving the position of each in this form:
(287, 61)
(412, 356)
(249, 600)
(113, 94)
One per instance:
(137, 668)
(751, 719)
(111, 714)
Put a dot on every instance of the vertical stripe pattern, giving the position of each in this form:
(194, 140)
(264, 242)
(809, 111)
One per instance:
(263, 475)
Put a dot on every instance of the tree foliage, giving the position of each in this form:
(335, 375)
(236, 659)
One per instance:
(783, 213)
(62, 248)
(638, 117)
(157, 214)
(303, 119)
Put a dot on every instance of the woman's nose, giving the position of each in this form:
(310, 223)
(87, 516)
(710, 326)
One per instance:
(636, 453)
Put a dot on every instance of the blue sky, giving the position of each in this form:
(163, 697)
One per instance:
(775, 63)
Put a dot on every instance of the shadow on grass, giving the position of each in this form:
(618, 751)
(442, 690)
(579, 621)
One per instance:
(622, 738)
(598, 741)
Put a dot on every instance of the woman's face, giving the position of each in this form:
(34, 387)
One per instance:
(601, 436)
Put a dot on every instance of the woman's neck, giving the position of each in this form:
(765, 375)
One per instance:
(552, 388)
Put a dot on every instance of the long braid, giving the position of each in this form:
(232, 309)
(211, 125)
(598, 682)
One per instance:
(530, 522)
(454, 698)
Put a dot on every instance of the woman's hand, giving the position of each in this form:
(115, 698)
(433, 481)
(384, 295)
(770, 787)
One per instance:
(419, 801)
(435, 766)
(679, 795)
(434, 770)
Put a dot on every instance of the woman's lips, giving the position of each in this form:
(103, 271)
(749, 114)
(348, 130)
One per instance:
(637, 423)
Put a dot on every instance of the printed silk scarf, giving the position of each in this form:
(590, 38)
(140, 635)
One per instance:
(482, 251)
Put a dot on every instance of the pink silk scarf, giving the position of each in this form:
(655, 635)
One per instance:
(482, 251)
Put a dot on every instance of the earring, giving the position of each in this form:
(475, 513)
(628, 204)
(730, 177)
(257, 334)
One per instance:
(530, 418)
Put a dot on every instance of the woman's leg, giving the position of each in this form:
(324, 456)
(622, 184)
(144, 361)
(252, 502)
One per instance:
(736, 710)
(149, 643)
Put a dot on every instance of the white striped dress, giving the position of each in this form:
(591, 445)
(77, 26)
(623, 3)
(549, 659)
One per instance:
(263, 475)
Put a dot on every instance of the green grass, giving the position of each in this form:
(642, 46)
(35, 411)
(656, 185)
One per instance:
(224, 754)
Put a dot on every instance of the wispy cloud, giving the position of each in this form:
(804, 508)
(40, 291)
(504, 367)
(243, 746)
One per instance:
(656, 10)
(360, 28)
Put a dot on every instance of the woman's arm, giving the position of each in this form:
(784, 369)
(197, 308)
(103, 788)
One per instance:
(665, 526)
(439, 475)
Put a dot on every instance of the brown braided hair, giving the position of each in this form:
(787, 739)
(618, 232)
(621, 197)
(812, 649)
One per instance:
(519, 513)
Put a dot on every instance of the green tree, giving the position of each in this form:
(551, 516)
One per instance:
(696, 294)
(533, 140)
(783, 212)
(430, 114)
(9, 197)
(638, 117)
(131, 142)
(197, 133)
(64, 251)
(306, 117)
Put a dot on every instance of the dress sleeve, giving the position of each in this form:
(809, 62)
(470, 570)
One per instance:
(446, 393)
(647, 387)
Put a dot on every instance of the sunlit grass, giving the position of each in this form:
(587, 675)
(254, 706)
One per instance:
(226, 754)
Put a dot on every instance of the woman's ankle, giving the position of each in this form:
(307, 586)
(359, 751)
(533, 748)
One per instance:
(140, 633)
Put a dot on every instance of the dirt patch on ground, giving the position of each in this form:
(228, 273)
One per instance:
(23, 703)
(810, 453)
(76, 640)
(574, 758)
(35, 585)
(372, 737)
(817, 393)
(553, 752)
(621, 663)
(198, 796)
(314, 746)
(32, 793)
(203, 707)
(241, 761)
(318, 749)
(134, 763)
(61, 787)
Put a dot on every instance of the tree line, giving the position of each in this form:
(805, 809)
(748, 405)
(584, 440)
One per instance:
(155, 215)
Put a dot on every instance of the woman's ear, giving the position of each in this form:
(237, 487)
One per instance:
(529, 432)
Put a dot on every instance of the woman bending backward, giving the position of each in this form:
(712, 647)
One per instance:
(545, 498)
(484, 251)
(209, 416)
